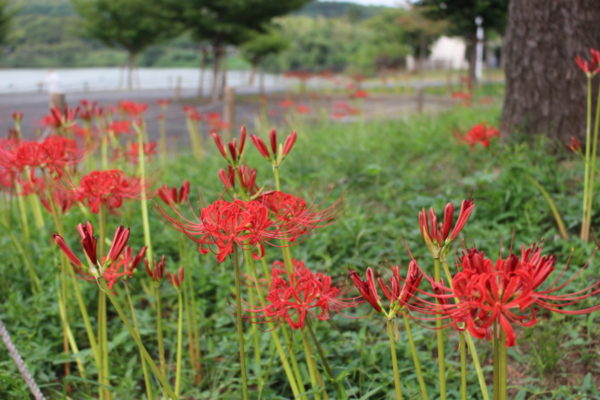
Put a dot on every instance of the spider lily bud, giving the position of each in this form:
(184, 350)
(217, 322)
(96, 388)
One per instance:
(176, 279)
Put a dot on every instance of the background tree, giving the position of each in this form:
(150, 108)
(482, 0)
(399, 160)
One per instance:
(387, 46)
(7, 13)
(545, 91)
(420, 32)
(132, 25)
(461, 15)
(259, 47)
(225, 23)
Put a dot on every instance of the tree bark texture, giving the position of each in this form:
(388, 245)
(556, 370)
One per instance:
(545, 90)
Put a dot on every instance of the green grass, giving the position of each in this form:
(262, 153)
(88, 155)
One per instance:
(385, 173)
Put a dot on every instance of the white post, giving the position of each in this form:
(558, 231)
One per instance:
(479, 50)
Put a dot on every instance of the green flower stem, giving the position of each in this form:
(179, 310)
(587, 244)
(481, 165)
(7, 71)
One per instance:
(463, 367)
(159, 330)
(155, 370)
(312, 370)
(179, 342)
(238, 322)
(253, 329)
(275, 336)
(341, 391)
(104, 152)
(470, 345)
(439, 333)
(502, 366)
(397, 387)
(592, 169)
(144, 200)
(192, 325)
(586, 178)
(496, 359)
(22, 212)
(38, 217)
(147, 383)
(415, 357)
(68, 338)
(103, 343)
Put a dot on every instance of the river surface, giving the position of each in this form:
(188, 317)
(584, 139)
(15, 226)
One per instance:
(77, 80)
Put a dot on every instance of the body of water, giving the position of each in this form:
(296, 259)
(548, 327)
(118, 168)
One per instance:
(77, 80)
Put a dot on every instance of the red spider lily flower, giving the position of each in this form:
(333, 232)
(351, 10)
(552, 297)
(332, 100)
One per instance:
(341, 109)
(294, 296)
(359, 94)
(437, 236)
(60, 200)
(129, 262)
(58, 119)
(302, 109)
(54, 154)
(215, 122)
(287, 103)
(156, 273)
(224, 225)
(243, 174)
(120, 127)
(176, 279)
(163, 103)
(106, 267)
(574, 145)
(293, 216)
(133, 151)
(367, 288)
(236, 149)
(174, 195)
(278, 152)
(193, 114)
(591, 67)
(399, 291)
(134, 109)
(108, 189)
(88, 110)
(507, 292)
(481, 134)
(17, 116)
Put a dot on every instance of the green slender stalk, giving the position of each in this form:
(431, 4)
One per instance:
(37, 211)
(179, 342)
(238, 322)
(592, 169)
(552, 205)
(192, 326)
(586, 178)
(470, 345)
(22, 212)
(415, 357)
(496, 359)
(104, 152)
(312, 370)
(144, 199)
(274, 335)
(397, 387)
(104, 373)
(155, 370)
(253, 328)
(162, 141)
(147, 383)
(463, 367)
(502, 366)
(340, 387)
(159, 330)
(69, 339)
(439, 333)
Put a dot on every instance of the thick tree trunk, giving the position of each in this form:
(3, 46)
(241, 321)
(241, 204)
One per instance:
(214, 84)
(545, 91)
(203, 62)
(130, 69)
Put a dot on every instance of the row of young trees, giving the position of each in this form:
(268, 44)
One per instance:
(134, 25)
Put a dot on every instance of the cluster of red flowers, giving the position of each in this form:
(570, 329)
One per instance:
(479, 134)
(117, 263)
(507, 292)
(225, 225)
(295, 295)
(107, 189)
(341, 109)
